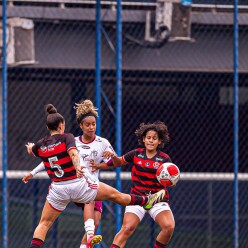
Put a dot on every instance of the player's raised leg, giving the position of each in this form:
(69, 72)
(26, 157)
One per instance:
(106, 192)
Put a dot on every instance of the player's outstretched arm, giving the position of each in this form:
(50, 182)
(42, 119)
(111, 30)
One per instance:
(101, 166)
(40, 167)
(117, 161)
(114, 159)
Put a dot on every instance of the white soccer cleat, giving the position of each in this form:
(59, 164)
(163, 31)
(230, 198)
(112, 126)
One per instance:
(154, 198)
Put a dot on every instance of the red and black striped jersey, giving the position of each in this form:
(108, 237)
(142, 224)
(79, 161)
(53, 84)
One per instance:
(53, 150)
(144, 171)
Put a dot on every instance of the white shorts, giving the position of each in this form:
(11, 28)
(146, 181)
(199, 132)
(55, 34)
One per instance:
(153, 212)
(76, 190)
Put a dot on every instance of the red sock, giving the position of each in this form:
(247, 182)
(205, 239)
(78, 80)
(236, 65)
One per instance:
(114, 246)
(159, 245)
(36, 243)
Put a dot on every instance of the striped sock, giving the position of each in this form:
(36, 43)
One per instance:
(138, 200)
(36, 243)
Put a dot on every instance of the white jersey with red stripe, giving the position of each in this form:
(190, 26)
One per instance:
(92, 150)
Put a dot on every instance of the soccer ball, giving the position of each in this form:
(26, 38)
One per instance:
(168, 174)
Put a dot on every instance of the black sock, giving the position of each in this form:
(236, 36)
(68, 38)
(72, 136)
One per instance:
(138, 200)
(36, 243)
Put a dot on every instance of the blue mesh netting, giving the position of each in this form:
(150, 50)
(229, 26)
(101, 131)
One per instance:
(187, 83)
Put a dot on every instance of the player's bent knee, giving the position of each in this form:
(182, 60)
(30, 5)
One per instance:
(127, 230)
(169, 228)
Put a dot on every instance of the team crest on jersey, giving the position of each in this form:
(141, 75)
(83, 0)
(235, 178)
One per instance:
(88, 157)
(156, 165)
(43, 149)
(147, 164)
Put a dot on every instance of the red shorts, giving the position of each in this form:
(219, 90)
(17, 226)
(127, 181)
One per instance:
(98, 206)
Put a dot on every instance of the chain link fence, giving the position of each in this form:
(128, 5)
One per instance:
(177, 67)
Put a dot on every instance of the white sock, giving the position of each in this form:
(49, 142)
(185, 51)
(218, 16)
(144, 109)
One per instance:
(83, 246)
(89, 227)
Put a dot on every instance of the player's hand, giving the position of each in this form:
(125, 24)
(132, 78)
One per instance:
(29, 146)
(27, 177)
(108, 154)
(94, 167)
(80, 171)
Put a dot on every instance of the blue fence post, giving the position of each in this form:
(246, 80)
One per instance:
(118, 104)
(98, 77)
(98, 66)
(236, 123)
(4, 128)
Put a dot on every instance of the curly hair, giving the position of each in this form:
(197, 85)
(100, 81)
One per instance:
(158, 127)
(85, 108)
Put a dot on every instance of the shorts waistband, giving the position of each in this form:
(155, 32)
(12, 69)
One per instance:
(68, 181)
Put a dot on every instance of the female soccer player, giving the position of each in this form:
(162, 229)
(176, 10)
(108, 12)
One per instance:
(70, 179)
(145, 163)
(90, 147)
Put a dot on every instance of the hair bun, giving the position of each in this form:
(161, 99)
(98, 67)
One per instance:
(50, 109)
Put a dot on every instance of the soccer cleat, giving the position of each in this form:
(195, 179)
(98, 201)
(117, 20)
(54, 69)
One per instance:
(154, 198)
(93, 240)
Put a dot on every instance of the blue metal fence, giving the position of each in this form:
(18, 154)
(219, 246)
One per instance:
(4, 128)
(197, 84)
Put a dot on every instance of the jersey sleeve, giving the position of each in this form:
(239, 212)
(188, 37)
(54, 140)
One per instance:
(35, 150)
(165, 157)
(40, 167)
(128, 157)
(110, 148)
(70, 142)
